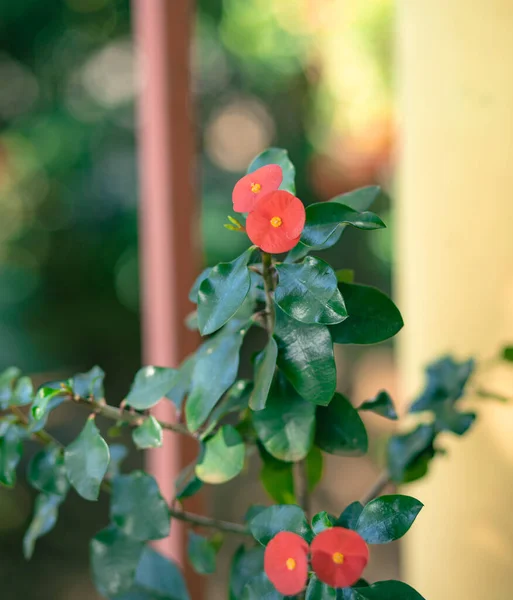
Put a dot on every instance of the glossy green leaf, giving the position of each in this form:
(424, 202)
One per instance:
(324, 218)
(350, 515)
(409, 454)
(247, 563)
(305, 356)
(86, 460)
(507, 353)
(308, 293)
(280, 517)
(340, 429)
(222, 293)
(46, 472)
(182, 382)
(23, 393)
(149, 386)
(7, 379)
(253, 511)
(188, 488)
(382, 405)
(46, 509)
(382, 590)
(373, 317)
(286, 426)
(223, 456)
(314, 468)
(345, 275)
(202, 554)
(264, 373)
(43, 401)
(321, 521)
(149, 434)
(277, 477)
(89, 384)
(260, 588)
(193, 294)
(138, 508)
(277, 156)
(114, 560)
(11, 450)
(156, 578)
(215, 370)
(235, 401)
(118, 453)
(387, 518)
(317, 590)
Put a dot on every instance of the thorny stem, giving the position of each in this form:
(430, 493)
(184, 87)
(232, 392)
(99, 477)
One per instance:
(379, 485)
(46, 439)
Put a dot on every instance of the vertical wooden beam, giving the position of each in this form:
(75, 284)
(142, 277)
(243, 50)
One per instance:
(455, 276)
(168, 245)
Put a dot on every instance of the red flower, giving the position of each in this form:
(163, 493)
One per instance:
(256, 185)
(339, 556)
(286, 563)
(276, 222)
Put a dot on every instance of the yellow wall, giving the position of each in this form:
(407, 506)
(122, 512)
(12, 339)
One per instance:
(455, 275)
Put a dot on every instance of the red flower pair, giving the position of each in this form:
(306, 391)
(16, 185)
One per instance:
(276, 218)
(339, 557)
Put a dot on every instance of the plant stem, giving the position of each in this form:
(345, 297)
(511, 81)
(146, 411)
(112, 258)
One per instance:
(379, 485)
(304, 492)
(132, 419)
(267, 265)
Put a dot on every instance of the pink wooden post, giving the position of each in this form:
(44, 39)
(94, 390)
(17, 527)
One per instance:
(168, 245)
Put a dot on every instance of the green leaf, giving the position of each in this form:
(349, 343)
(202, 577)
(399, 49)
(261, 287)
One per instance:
(308, 293)
(7, 379)
(345, 275)
(114, 561)
(387, 518)
(286, 426)
(138, 508)
(280, 517)
(149, 434)
(89, 384)
(46, 510)
(235, 401)
(43, 404)
(277, 478)
(324, 218)
(350, 515)
(253, 511)
(46, 472)
(188, 488)
(260, 588)
(382, 405)
(215, 370)
(317, 590)
(156, 578)
(409, 455)
(86, 461)
(314, 468)
(222, 293)
(507, 353)
(118, 453)
(264, 372)
(23, 392)
(340, 430)
(277, 156)
(246, 564)
(11, 451)
(383, 590)
(305, 356)
(202, 554)
(223, 456)
(193, 294)
(373, 317)
(149, 386)
(321, 521)
(182, 382)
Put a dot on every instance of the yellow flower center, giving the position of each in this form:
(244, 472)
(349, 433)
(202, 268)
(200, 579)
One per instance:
(338, 558)
(255, 188)
(290, 564)
(276, 222)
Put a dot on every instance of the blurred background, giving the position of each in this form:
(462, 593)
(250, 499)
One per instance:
(313, 76)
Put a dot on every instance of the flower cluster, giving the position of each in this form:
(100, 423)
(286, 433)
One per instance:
(276, 217)
(338, 558)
